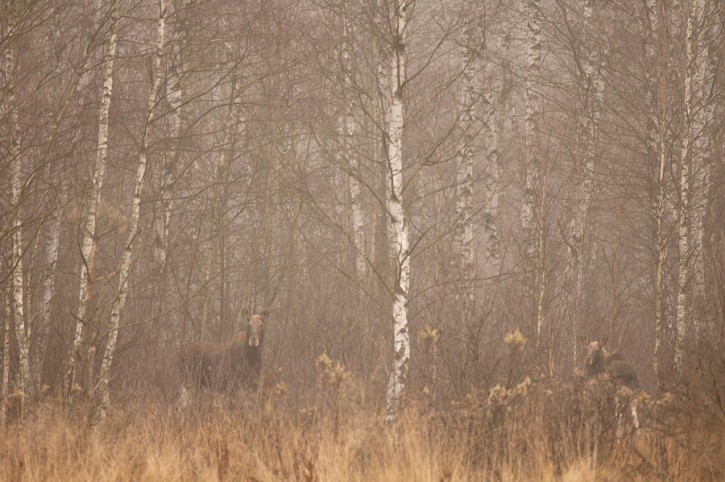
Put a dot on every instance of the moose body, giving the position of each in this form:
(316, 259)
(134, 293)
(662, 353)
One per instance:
(599, 361)
(225, 366)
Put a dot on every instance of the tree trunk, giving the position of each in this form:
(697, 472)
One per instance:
(176, 95)
(531, 207)
(401, 336)
(463, 233)
(88, 234)
(125, 266)
(685, 193)
(22, 329)
(51, 257)
(703, 133)
(491, 171)
(655, 146)
(350, 128)
(6, 358)
(592, 84)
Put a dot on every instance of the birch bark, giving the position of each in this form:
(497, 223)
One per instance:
(592, 84)
(532, 181)
(88, 234)
(491, 168)
(654, 139)
(6, 358)
(702, 131)
(694, 20)
(463, 234)
(399, 226)
(51, 261)
(125, 266)
(350, 129)
(22, 329)
(176, 96)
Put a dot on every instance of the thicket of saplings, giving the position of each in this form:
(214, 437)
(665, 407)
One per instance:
(527, 427)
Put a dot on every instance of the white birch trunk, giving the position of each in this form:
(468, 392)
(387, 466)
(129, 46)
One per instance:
(88, 242)
(593, 85)
(175, 97)
(51, 261)
(231, 134)
(401, 337)
(654, 141)
(6, 357)
(491, 181)
(358, 221)
(702, 161)
(685, 164)
(532, 181)
(125, 266)
(177, 101)
(350, 130)
(463, 233)
(504, 113)
(22, 329)
(51, 258)
(661, 254)
(384, 82)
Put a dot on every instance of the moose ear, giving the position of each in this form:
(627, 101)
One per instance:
(603, 341)
(245, 311)
(585, 340)
(264, 314)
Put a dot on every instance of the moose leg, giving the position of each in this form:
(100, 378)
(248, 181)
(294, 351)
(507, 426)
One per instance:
(184, 397)
(635, 418)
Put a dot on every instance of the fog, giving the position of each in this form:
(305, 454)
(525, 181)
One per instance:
(435, 198)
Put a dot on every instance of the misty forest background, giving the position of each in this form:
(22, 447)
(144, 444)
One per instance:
(165, 165)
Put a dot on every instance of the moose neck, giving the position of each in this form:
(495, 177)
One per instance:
(598, 362)
(253, 354)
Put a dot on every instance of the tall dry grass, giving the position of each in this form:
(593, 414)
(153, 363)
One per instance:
(543, 430)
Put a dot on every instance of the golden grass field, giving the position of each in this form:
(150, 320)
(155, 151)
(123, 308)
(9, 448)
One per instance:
(538, 431)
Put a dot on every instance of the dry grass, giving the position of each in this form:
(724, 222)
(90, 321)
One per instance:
(544, 431)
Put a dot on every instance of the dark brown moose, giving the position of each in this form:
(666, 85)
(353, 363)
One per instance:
(599, 361)
(225, 366)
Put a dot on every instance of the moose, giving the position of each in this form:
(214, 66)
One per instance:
(598, 361)
(225, 367)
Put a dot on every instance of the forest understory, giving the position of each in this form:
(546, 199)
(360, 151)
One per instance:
(578, 429)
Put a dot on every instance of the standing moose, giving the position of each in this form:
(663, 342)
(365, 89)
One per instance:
(599, 361)
(225, 366)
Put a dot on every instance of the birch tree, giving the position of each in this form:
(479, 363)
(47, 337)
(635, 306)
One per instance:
(88, 229)
(233, 130)
(463, 234)
(396, 213)
(350, 129)
(176, 97)
(592, 87)
(51, 261)
(530, 209)
(683, 276)
(133, 222)
(22, 328)
(5, 387)
(491, 182)
(704, 134)
(655, 147)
